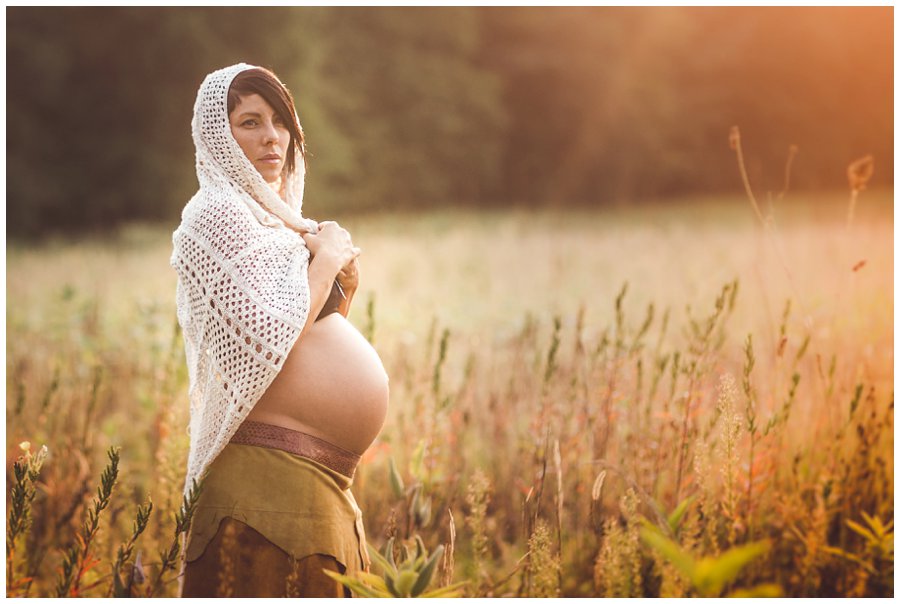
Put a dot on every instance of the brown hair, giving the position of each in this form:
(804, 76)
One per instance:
(266, 84)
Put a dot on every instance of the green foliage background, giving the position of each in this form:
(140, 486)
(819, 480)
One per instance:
(415, 108)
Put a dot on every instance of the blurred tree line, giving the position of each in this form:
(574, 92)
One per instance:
(421, 107)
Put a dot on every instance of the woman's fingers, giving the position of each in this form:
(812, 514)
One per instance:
(310, 240)
(335, 240)
(348, 276)
(352, 266)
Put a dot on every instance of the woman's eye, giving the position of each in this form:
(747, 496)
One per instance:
(249, 123)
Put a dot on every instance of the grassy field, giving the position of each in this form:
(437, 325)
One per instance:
(582, 402)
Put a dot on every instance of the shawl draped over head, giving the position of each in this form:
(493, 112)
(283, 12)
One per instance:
(243, 293)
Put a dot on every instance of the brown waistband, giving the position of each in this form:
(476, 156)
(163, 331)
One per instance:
(299, 443)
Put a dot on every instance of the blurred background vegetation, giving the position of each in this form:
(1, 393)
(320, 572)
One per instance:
(415, 108)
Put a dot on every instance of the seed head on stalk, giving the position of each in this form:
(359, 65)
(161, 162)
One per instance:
(858, 174)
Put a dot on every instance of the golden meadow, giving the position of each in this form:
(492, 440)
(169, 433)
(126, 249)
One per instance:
(673, 400)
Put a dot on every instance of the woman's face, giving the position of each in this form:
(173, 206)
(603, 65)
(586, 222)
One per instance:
(262, 135)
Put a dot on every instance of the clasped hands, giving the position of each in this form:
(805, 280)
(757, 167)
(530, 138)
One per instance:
(334, 242)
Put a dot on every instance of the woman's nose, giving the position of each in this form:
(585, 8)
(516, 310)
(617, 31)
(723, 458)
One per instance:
(270, 134)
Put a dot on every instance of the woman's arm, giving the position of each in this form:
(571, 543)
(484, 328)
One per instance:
(331, 249)
(321, 274)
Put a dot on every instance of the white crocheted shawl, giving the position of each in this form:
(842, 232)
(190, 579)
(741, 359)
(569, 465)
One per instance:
(242, 293)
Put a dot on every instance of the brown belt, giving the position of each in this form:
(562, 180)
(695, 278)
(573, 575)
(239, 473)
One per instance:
(332, 456)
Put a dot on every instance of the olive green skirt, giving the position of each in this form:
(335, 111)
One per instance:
(266, 523)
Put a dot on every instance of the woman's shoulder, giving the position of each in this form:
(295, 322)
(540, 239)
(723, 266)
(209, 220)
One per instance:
(231, 226)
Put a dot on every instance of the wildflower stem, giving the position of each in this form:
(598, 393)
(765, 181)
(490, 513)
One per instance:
(183, 517)
(25, 471)
(76, 559)
(735, 140)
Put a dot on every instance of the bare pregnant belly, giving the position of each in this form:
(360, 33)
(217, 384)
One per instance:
(332, 385)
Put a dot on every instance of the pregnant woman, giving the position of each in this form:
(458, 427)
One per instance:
(285, 393)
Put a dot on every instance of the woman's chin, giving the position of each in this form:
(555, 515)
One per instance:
(272, 179)
(271, 175)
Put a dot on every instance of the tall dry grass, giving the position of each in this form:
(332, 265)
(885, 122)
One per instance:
(601, 400)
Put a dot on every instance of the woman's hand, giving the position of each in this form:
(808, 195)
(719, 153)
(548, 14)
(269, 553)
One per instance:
(349, 276)
(332, 244)
(349, 281)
